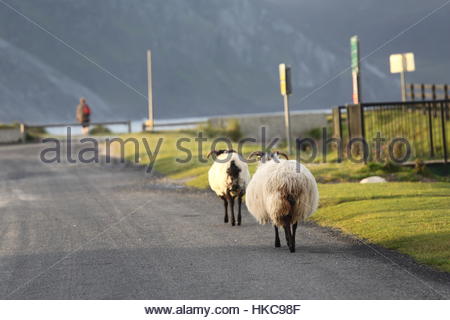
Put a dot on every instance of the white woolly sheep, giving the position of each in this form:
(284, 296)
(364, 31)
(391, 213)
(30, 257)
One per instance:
(282, 192)
(228, 177)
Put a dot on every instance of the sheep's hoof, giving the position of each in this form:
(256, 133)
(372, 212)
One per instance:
(277, 244)
(239, 223)
(225, 220)
(292, 250)
(233, 223)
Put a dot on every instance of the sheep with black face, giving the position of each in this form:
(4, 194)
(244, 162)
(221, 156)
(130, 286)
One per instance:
(281, 192)
(228, 177)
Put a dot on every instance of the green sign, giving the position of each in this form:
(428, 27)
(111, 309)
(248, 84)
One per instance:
(354, 45)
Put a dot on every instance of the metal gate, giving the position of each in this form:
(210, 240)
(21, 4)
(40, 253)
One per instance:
(423, 124)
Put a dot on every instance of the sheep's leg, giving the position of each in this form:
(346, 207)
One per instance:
(286, 234)
(231, 199)
(294, 230)
(287, 230)
(225, 203)
(239, 210)
(277, 238)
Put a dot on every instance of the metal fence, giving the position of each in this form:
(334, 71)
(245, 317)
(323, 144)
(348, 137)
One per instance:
(424, 124)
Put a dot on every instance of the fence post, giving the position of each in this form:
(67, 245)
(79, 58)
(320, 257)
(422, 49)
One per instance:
(129, 126)
(447, 113)
(430, 131)
(444, 138)
(356, 128)
(363, 127)
(337, 131)
(337, 126)
(433, 92)
(422, 90)
(412, 93)
(23, 132)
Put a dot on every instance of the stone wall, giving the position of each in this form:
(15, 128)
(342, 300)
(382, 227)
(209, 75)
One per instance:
(301, 123)
(10, 135)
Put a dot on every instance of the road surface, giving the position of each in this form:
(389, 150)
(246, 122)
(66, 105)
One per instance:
(104, 231)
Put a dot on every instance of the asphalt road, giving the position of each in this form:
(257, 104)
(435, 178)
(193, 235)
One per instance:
(102, 231)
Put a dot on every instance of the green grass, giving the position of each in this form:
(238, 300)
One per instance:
(194, 172)
(8, 126)
(99, 130)
(411, 217)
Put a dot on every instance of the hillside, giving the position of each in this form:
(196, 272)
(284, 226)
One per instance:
(211, 57)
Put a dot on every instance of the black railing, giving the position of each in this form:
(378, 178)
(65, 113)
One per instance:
(424, 124)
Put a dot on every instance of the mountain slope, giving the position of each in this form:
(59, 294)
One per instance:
(28, 87)
(219, 57)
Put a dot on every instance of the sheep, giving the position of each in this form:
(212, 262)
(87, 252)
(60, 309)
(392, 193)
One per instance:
(282, 192)
(228, 177)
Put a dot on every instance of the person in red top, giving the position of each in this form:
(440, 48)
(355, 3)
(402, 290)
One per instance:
(84, 115)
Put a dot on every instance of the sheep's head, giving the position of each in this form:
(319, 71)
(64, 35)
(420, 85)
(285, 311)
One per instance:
(262, 156)
(233, 178)
(217, 153)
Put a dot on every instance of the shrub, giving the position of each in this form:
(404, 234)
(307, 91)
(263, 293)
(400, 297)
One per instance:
(380, 168)
(232, 130)
(100, 130)
(315, 133)
(391, 167)
(419, 167)
(33, 134)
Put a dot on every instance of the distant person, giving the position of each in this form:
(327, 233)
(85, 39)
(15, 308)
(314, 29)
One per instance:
(84, 115)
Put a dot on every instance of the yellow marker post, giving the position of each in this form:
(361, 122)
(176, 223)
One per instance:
(286, 90)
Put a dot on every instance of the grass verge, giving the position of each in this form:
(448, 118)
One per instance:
(412, 218)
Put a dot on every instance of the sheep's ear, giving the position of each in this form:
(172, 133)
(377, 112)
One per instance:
(219, 152)
(255, 154)
(211, 152)
(282, 154)
(216, 152)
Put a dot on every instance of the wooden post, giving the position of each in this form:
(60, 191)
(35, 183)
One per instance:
(422, 89)
(430, 132)
(412, 89)
(337, 126)
(150, 122)
(444, 138)
(286, 90)
(23, 132)
(447, 113)
(356, 128)
(403, 78)
(337, 131)
(433, 93)
(287, 122)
